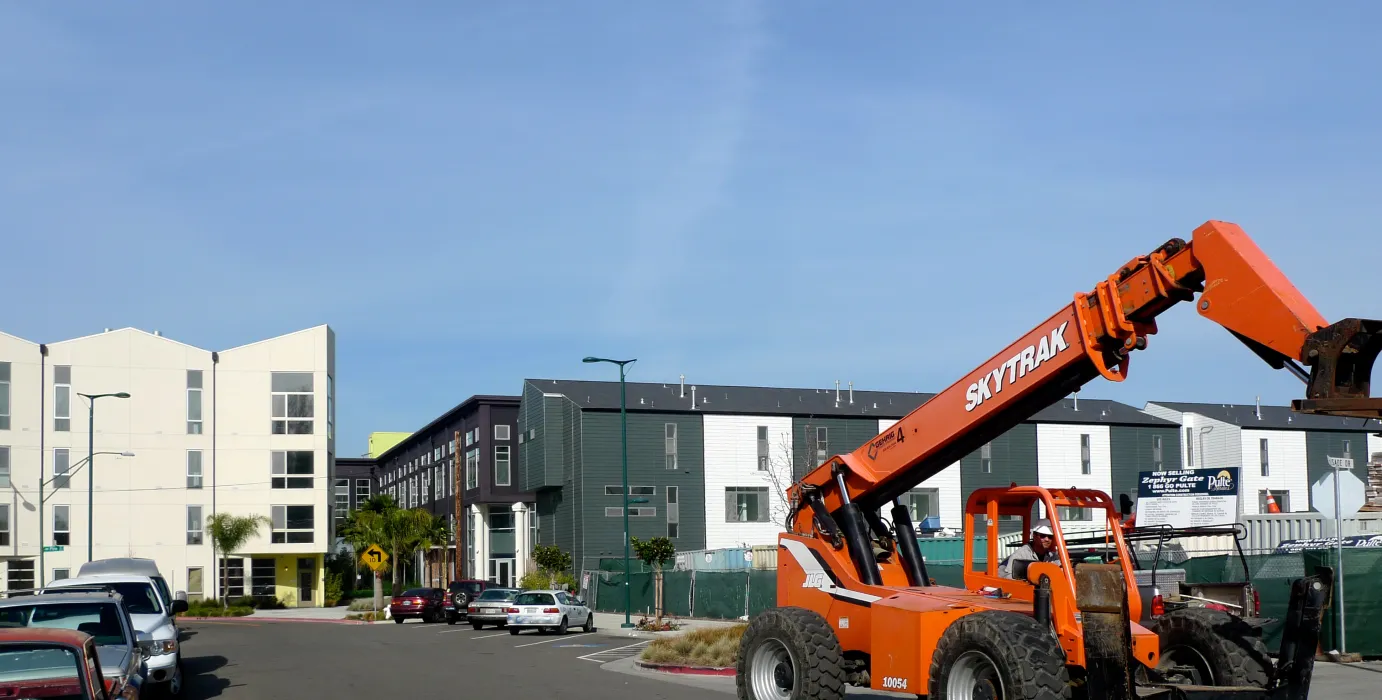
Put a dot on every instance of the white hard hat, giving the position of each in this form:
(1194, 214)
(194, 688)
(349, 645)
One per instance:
(1042, 527)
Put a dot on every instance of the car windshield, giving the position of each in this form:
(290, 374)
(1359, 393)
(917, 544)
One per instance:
(470, 587)
(417, 593)
(27, 668)
(496, 594)
(140, 598)
(100, 620)
(534, 599)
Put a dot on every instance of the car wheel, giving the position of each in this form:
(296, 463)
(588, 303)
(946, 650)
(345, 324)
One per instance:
(450, 619)
(399, 620)
(476, 625)
(175, 683)
(561, 629)
(513, 631)
(589, 623)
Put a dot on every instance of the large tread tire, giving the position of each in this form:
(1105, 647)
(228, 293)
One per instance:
(816, 657)
(1026, 655)
(1233, 649)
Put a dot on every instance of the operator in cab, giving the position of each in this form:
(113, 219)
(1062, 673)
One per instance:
(1041, 547)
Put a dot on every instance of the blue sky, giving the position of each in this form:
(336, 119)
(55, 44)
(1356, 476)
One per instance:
(783, 193)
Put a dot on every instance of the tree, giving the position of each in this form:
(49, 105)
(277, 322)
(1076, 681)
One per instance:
(363, 528)
(552, 562)
(781, 475)
(655, 552)
(406, 531)
(229, 533)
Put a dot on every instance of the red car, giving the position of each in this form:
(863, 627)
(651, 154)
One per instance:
(58, 663)
(426, 604)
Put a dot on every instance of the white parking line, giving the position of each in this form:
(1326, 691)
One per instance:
(554, 639)
(501, 634)
(616, 652)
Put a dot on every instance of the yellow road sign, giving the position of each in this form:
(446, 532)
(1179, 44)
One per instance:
(374, 557)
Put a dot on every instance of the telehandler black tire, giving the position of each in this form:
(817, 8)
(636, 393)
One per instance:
(793, 650)
(1002, 655)
(1223, 649)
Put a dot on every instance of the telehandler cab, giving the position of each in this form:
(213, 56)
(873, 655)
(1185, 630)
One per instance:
(855, 604)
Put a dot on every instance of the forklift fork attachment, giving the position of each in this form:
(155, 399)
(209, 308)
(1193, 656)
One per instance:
(1341, 358)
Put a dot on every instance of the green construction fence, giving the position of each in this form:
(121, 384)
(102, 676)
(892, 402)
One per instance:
(739, 593)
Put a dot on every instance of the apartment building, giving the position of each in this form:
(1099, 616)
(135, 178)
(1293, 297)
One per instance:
(177, 433)
(709, 465)
(1279, 451)
(420, 472)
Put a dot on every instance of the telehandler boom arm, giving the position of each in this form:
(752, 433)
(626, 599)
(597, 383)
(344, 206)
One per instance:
(1238, 287)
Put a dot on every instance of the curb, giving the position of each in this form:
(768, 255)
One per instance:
(689, 670)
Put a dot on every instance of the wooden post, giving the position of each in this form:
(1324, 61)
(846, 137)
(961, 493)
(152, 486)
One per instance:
(460, 496)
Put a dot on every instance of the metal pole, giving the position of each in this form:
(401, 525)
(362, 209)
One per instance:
(90, 473)
(42, 431)
(624, 439)
(1339, 547)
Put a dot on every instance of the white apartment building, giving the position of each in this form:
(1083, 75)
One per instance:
(245, 431)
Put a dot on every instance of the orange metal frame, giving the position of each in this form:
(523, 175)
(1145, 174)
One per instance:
(1094, 336)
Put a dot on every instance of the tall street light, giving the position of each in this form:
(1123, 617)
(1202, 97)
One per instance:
(91, 466)
(624, 439)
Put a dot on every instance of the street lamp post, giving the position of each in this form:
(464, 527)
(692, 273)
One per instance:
(624, 439)
(91, 466)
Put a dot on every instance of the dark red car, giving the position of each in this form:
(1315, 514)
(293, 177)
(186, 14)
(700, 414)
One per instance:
(426, 604)
(458, 597)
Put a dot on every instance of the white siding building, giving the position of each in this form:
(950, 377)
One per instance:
(939, 495)
(748, 455)
(244, 431)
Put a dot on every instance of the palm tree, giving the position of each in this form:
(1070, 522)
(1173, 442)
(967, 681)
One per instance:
(365, 527)
(229, 533)
(404, 532)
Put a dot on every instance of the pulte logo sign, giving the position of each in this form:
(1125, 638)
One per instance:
(1223, 481)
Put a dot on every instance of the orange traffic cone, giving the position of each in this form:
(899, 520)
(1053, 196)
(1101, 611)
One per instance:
(1271, 504)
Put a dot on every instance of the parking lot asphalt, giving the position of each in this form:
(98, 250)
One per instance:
(241, 658)
(291, 660)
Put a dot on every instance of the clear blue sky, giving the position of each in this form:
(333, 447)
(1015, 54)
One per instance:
(782, 193)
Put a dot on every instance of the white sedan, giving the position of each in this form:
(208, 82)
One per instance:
(556, 610)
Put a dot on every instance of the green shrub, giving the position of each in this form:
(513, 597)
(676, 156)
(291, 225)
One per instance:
(717, 647)
(366, 603)
(333, 589)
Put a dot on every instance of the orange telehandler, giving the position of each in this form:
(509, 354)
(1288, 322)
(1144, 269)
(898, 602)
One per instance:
(855, 605)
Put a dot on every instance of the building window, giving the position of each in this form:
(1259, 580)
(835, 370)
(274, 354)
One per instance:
(986, 458)
(4, 525)
(1085, 466)
(195, 591)
(412, 492)
(633, 490)
(1282, 498)
(62, 398)
(670, 444)
(292, 524)
(426, 484)
(822, 444)
(923, 503)
(501, 465)
(634, 512)
(194, 525)
(60, 574)
(342, 500)
(746, 504)
(1075, 514)
(673, 511)
(439, 484)
(4, 396)
(262, 576)
(330, 408)
(501, 432)
(61, 462)
(194, 469)
(762, 448)
(194, 402)
(20, 575)
(1348, 449)
(472, 469)
(1189, 447)
(293, 470)
(292, 403)
(1157, 464)
(62, 527)
(362, 491)
(468, 439)
(1262, 451)
(4, 466)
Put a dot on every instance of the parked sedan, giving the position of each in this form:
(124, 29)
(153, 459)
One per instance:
(426, 604)
(491, 607)
(555, 610)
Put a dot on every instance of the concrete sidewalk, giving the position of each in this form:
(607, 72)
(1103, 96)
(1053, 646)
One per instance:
(609, 624)
(336, 613)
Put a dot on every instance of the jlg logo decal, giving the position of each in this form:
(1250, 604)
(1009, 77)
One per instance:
(1017, 367)
(815, 581)
(894, 682)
